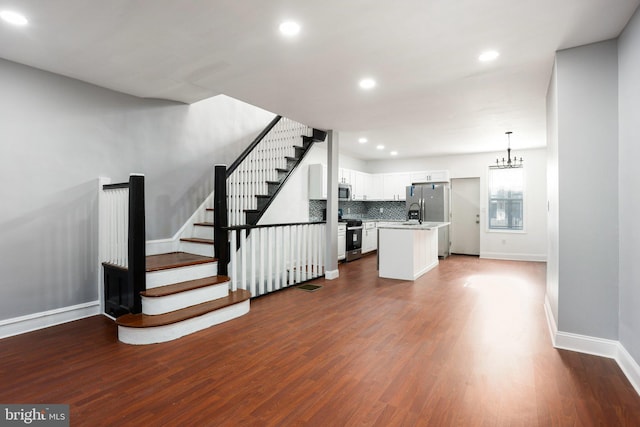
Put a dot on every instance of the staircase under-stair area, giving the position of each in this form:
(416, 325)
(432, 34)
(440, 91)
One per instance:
(184, 295)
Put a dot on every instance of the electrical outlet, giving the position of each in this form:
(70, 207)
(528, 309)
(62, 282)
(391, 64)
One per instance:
(348, 210)
(381, 210)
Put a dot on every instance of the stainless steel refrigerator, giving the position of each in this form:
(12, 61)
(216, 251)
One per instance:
(430, 202)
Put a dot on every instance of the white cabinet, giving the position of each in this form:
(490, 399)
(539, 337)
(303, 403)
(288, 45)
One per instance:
(407, 253)
(373, 186)
(357, 182)
(317, 182)
(365, 186)
(430, 176)
(342, 241)
(344, 176)
(394, 185)
(369, 237)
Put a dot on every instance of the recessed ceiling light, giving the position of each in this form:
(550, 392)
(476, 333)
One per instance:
(380, 147)
(367, 83)
(14, 18)
(362, 140)
(487, 56)
(289, 28)
(394, 153)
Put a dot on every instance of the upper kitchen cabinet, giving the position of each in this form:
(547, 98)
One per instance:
(394, 185)
(429, 176)
(366, 186)
(317, 182)
(344, 176)
(358, 185)
(373, 186)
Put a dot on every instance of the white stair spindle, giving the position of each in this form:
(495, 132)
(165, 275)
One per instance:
(269, 244)
(243, 258)
(276, 245)
(252, 243)
(260, 232)
(233, 263)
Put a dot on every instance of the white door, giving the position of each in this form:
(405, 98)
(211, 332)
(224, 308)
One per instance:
(465, 216)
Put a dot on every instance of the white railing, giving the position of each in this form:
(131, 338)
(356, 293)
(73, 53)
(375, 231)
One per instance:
(250, 178)
(272, 257)
(114, 224)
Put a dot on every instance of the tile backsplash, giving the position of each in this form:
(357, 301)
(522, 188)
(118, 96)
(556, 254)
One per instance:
(393, 211)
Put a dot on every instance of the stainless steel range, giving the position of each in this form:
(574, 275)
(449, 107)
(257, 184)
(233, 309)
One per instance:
(354, 239)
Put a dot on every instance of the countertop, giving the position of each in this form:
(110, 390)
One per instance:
(414, 225)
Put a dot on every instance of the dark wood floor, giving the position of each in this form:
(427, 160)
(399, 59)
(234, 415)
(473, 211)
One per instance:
(465, 345)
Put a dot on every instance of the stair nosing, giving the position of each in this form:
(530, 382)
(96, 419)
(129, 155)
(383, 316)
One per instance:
(141, 321)
(204, 224)
(189, 285)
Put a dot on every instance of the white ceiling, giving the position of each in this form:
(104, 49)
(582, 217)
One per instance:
(433, 96)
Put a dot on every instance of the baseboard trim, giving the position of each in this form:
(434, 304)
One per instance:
(35, 321)
(595, 346)
(331, 274)
(514, 256)
(629, 367)
(551, 321)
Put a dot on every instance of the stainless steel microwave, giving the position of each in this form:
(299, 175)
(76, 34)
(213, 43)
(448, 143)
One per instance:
(344, 192)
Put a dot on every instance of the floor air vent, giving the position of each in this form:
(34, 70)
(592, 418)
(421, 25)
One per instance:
(309, 288)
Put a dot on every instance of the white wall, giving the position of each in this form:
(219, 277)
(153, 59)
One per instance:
(629, 182)
(553, 199)
(587, 168)
(528, 245)
(292, 202)
(57, 136)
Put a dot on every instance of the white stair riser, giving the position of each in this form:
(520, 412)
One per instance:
(182, 274)
(202, 232)
(197, 248)
(208, 215)
(158, 334)
(162, 305)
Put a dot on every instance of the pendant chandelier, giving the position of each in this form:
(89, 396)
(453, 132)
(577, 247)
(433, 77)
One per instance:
(509, 162)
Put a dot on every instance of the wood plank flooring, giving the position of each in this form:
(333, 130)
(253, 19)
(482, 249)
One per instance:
(465, 345)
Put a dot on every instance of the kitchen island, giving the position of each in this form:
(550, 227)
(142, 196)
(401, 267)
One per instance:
(407, 250)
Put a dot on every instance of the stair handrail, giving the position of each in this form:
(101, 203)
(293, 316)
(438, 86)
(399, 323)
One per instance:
(261, 163)
(275, 256)
(253, 145)
(303, 262)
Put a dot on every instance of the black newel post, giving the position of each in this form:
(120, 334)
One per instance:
(220, 220)
(137, 252)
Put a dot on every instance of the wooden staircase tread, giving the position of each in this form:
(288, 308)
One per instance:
(210, 209)
(175, 260)
(197, 240)
(150, 321)
(204, 224)
(189, 285)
